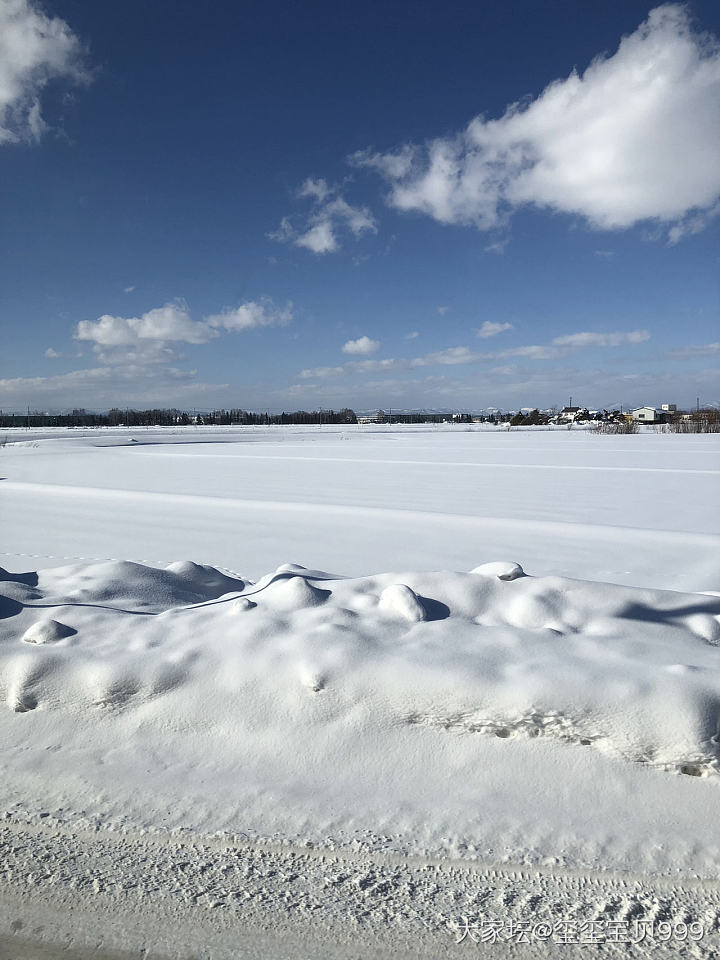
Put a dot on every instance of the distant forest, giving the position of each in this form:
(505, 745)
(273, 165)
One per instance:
(170, 418)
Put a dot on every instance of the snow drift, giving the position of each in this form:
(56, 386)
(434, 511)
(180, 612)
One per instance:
(300, 654)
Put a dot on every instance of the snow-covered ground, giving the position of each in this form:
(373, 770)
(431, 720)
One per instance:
(640, 510)
(501, 703)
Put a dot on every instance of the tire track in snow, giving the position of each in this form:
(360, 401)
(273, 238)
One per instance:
(344, 896)
(222, 843)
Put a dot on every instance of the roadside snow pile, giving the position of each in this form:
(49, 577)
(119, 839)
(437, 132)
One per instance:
(633, 673)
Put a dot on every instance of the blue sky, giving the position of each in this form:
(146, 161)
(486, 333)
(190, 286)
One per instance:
(423, 204)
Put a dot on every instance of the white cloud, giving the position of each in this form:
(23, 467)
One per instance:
(635, 138)
(52, 354)
(532, 352)
(352, 366)
(587, 339)
(284, 232)
(330, 217)
(128, 289)
(449, 357)
(491, 329)
(322, 373)
(372, 366)
(320, 238)
(701, 350)
(145, 352)
(358, 219)
(317, 189)
(363, 345)
(170, 322)
(34, 50)
(251, 315)
(413, 335)
(691, 225)
(149, 339)
(442, 310)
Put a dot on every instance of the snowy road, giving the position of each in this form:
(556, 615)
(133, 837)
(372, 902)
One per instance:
(214, 898)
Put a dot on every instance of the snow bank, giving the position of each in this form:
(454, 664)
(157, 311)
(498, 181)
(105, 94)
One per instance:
(632, 673)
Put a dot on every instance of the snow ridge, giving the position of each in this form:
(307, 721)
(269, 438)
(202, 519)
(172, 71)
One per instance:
(629, 672)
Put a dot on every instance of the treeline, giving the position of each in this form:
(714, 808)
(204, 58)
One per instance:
(704, 420)
(420, 417)
(171, 417)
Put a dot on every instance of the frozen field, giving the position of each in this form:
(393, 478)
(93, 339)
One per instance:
(327, 692)
(639, 510)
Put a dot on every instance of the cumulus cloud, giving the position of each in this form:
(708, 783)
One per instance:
(587, 339)
(170, 322)
(491, 329)
(320, 238)
(363, 345)
(251, 315)
(634, 138)
(52, 354)
(330, 218)
(413, 335)
(34, 50)
(150, 338)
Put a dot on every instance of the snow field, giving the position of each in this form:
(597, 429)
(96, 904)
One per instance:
(386, 751)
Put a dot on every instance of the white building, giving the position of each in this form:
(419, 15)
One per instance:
(646, 415)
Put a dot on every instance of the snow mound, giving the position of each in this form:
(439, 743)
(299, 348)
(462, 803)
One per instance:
(402, 601)
(47, 631)
(127, 584)
(294, 593)
(633, 673)
(242, 605)
(502, 569)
